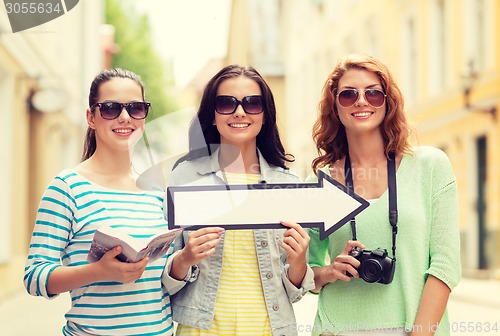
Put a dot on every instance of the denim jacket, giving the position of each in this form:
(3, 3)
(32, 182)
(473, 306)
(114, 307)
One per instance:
(193, 298)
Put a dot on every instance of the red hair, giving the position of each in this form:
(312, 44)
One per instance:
(329, 133)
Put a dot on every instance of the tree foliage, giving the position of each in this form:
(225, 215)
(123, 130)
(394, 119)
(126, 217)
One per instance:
(135, 52)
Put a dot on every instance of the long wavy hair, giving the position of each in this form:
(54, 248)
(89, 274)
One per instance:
(329, 132)
(204, 136)
(90, 145)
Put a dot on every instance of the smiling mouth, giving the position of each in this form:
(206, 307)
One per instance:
(123, 131)
(362, 114)
(239, 125)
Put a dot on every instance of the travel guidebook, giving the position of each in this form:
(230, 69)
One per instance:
(134, 249)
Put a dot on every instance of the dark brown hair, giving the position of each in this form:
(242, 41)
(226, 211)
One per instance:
(268, 140)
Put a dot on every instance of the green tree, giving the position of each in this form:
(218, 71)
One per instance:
(135, 52)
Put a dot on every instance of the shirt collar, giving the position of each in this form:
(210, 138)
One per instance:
(214, 168)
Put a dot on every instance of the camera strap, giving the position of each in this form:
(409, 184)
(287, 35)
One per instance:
(393, 202)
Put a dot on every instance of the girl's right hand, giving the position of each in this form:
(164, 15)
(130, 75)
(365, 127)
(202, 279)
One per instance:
(108, 268)
(342, 264)
(200, 245)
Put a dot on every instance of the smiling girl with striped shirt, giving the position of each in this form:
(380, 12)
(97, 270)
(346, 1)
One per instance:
(108, 297)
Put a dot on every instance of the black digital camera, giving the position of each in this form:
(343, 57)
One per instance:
(375, 266)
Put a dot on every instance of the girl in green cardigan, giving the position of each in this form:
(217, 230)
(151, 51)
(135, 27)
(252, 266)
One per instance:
(362, 120)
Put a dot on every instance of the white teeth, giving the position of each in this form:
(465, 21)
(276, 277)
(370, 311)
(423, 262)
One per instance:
(122, 131)
(239, 125)
(361, 114)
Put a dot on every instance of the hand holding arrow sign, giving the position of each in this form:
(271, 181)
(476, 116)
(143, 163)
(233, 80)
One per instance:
(327, 205)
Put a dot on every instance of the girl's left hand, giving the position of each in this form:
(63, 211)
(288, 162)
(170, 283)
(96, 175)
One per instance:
(295, 243)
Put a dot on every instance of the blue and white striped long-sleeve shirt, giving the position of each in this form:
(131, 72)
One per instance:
(71, 209)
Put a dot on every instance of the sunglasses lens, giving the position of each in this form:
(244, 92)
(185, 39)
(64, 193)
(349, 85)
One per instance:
(348, 97)
(225, 104)
(375, 98)
(110, 110)
(138, 110)
(253, 104)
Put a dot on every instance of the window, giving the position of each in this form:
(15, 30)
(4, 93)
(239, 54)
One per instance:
(410, 60)
(438, 39)
(475, 32)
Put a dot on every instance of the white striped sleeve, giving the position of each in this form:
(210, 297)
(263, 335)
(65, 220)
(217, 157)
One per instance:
(51, 234)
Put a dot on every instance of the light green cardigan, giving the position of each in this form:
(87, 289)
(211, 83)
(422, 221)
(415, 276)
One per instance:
(427, 243)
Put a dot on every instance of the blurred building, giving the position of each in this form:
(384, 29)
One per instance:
(45, 74)
(445, 57)
(193, 91)
(255, 39)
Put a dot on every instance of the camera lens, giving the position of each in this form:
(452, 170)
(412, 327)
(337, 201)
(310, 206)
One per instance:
(370, 270)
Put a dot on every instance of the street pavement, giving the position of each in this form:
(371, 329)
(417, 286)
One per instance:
(474, 309)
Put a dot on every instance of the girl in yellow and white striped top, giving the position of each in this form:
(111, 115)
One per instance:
(237, 282)
(240, 307)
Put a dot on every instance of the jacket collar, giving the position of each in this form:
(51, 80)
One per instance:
(214, 168)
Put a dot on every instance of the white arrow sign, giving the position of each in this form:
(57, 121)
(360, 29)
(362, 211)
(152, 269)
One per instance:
(262, 206)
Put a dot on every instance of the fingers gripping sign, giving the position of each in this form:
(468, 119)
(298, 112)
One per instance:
(295, 242)
(201, 244)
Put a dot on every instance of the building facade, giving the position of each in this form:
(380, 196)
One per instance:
(444, 54)
(45, 73)
(255, 39)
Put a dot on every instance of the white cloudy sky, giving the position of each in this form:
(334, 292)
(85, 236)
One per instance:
(188, 31)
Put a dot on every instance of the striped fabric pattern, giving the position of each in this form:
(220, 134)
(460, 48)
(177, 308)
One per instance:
(240, 307)
(71, 209)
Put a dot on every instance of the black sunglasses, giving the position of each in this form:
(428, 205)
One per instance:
(349, 97)
(229, 104)
(111, 110)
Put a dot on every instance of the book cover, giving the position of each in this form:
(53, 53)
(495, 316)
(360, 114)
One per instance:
(133, 249)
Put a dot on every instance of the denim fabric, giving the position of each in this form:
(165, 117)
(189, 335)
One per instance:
(193, 299)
